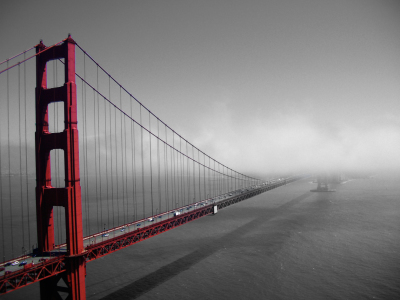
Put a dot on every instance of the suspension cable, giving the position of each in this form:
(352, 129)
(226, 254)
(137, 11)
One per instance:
(142, 127)
(166, 167)
(151, 170)
(111, 153)
(106, 144)
(125, 188)
(9, 162)
(141, 105)
(141, 136)
(98, 153)
(26, 158)
(133, 146)
(159, 165)
(95, 158)
(20, 157)
(85, 151)
(26, 59)
(15, 56)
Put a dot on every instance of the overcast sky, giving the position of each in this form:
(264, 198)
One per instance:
(262, 86)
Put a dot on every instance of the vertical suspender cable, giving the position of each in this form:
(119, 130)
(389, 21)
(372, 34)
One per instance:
(188, 171)
(9, 163)
(85, 156)
(82, 153)
(122, 159)
(111, 154)
(209, 177)
(126, 175)
(178, 180)
(198, 158)
(194, 177)
(173, 202)
(133, 147)
(26, 160)
(20, 157)
(231, 186)
(106, 146)
(151, 170)
(116, 162)
(218, 179)
(84, 194)
(95, 158)
(182, 171)
(173, 168)
(226, 169)
(141, 136)
(99, 148)
(225, 179)
(204, 177)
(132, 167)
(178, 189)
(166, 167)
(159, 166)
(214, 179)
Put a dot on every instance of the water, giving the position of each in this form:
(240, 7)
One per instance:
(288, 243)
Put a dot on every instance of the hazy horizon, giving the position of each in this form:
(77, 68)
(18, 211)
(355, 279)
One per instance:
(262, 86)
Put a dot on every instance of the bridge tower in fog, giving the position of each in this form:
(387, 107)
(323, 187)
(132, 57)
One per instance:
(68, 197)
(323, 182)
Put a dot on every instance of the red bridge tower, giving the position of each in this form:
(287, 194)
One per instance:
(69, 196)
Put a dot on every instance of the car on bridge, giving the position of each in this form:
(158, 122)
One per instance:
(23, 263)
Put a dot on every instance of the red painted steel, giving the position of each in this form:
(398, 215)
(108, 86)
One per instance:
(54, 269)
(31, 274)
(117, 243)
(68, 197)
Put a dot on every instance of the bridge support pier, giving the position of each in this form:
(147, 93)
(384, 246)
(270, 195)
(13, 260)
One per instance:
(69, 196)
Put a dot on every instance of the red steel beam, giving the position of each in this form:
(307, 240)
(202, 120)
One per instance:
(31, 274)
(69, 196)
(34, 273)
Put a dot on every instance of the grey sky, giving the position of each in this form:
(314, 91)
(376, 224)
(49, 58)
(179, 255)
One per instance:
(259, 85)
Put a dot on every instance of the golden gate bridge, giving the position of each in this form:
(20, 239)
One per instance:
(72, 198)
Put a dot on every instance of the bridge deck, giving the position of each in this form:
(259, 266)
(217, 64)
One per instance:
(45, 265)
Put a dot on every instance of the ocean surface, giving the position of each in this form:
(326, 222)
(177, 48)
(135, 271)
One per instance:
(288, 243)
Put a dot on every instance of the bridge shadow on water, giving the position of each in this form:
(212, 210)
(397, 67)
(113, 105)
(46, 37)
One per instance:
(145, 284)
